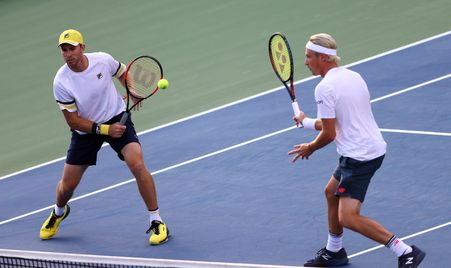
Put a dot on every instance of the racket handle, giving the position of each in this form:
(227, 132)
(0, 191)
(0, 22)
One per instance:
(296, 109)
(124, 118)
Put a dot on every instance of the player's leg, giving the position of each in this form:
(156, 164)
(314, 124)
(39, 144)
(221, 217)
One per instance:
(333, 254)
(72, 175)
(332, 206)
(356, 177)
(82, 153)
(132, 154)
(349, 217)
(64, 190)
(133, 157)
(129, 149)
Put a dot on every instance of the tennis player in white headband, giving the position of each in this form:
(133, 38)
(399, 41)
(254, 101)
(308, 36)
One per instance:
(344, 115)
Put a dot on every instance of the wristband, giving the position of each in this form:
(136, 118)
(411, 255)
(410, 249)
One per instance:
(103, 129)
(309, 123)
(94, 128)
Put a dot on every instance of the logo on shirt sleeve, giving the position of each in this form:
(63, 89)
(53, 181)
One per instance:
(319, 102)
(99, 76)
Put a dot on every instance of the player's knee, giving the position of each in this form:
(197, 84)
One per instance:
(68, 185)
(347, 219)
(329, 193)
(346, 222)
(137, 166)
(343, 221)
(65, 189)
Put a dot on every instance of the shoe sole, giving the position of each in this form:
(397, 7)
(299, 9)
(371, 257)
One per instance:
(337, 263)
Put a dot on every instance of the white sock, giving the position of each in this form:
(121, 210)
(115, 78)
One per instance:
(334, 242)
(154, 215)
(398, 247)
(59, 211)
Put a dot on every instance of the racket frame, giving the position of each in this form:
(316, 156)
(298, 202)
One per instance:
(290, 87)
(126, 114)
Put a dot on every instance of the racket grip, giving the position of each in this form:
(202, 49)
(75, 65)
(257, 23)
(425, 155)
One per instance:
(296, 108)
(124, 118)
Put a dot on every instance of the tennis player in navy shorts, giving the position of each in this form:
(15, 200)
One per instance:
(344, 116)
(84, 90)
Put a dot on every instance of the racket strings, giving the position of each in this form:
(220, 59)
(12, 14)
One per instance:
(142, 77)
(280, 57)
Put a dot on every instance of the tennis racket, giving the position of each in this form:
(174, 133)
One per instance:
(282, 63)
(141, 81)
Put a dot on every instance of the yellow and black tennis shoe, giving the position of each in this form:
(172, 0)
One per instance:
(50, 226)
(159, 233)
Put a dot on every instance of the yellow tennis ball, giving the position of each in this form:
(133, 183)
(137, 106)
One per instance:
(163, 84)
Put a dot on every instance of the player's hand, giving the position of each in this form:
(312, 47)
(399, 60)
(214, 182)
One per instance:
(301, 151)
(298, 118)
(116, 130)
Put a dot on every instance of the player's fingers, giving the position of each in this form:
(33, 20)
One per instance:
(119, 133)
(297, 123)
(117, 130)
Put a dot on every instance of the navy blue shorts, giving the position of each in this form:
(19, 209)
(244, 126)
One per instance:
(83, 149)
(355, 176)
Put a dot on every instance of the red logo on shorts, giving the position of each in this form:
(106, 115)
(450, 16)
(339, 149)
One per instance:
(341, 190)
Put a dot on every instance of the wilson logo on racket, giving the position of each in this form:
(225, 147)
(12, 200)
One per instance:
(143, 76)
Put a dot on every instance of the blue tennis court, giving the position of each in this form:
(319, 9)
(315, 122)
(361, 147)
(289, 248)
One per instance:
(230, 194)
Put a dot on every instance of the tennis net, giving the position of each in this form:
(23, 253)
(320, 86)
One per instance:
(37, 259)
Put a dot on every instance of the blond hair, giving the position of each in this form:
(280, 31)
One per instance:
(327, 41)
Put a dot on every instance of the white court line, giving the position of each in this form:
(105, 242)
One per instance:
(245, 99)
(403, 238)
(433, 133)
(412, 88)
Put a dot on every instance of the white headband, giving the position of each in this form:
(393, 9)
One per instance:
(320, 49)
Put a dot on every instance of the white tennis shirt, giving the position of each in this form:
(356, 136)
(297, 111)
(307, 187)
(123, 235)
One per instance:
(343, 94)
(91, 92)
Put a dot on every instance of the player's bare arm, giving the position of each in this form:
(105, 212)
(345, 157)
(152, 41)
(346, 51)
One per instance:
(326, 136)
(79, 123)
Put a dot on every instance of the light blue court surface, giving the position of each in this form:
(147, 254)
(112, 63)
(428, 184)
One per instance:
(229, 193)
